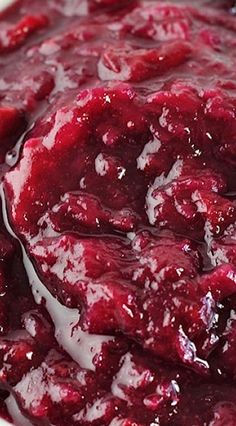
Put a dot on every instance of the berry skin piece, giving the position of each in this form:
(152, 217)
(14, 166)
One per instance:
(125, 65)
(15, 36)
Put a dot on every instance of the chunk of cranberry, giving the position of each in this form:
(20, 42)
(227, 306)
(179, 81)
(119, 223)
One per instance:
(127, 64)
(18, 354)
(158, 22)
(14, 37)
(187, 203)
(54, 390)
(221, 282)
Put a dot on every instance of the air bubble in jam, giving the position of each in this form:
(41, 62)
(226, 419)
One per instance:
(117, 233)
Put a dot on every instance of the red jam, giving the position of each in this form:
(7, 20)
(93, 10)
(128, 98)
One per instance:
(118, 227)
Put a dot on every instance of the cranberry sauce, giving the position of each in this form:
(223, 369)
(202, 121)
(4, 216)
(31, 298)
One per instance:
(118, 225)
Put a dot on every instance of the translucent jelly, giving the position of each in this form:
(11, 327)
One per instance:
(118, 224)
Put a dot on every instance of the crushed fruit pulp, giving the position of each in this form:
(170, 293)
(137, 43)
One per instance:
(118, 227)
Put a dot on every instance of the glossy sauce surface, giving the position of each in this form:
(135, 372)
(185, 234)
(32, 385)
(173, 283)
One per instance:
(117, 236)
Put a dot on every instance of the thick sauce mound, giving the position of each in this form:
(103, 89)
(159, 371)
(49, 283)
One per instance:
(118, 225)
